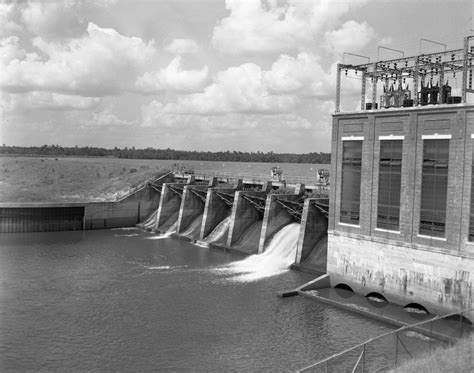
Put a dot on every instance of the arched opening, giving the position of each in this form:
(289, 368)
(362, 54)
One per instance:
(458, 318)
(460, 324)
(344, 290)
(416, 309)
(376, 299)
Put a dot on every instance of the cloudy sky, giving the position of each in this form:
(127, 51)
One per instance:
(197, 75)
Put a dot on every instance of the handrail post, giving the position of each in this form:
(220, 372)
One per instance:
(363, 359)
(396, 348)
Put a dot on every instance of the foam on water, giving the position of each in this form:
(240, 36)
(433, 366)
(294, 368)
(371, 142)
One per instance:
(276, 259)
(219, 230)
(150, 222)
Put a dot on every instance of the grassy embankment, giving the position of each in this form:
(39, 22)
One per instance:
(40, 179)
(456, 359)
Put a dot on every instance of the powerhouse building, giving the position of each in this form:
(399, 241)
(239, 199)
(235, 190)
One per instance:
(401, 220)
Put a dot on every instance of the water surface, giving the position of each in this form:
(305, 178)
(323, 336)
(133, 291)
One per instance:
(124, 300)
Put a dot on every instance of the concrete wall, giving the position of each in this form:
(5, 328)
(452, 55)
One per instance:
(453, 250)
(19, 218)
(243, 215)
(440, 281)
(170, 203)
(275, 217)
(215, 210)
(191, 206)
(124, 213)
(39, 217)
(314, 227)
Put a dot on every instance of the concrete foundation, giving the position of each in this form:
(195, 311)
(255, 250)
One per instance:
(276, 217)
(403, 273)
(244, 215)
(311, 252)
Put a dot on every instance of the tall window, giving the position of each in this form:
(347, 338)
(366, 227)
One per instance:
(471, 220)
(390, 176)
(351, 171)
(434, 187)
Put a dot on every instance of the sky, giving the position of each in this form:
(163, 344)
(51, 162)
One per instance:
(209, 75)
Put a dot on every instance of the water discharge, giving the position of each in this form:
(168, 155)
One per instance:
(150, 222)
(219, 231)
(194, 228)
(276, 259)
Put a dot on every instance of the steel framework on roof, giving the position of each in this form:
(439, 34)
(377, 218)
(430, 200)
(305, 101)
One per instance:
(415, 68)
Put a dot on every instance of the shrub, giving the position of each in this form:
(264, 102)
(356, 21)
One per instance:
(133, 170)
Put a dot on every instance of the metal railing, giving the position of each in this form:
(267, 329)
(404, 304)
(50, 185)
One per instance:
(257, 177)
(391, 349)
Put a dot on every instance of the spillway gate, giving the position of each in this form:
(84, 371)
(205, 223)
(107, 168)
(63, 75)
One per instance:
(294, 208)
(202, 195)
(227, 198)
(322, 207)
(177, 190)
(258, 203)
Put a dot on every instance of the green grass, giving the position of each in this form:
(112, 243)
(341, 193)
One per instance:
(456, 359)
(36, 179)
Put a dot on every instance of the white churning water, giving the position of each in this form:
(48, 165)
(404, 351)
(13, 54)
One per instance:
(150, 222)
(276, 259)
(219, 230)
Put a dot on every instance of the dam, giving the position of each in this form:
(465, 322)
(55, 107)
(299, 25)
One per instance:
(393, 225)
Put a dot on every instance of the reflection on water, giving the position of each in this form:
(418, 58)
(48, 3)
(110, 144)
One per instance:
(90, 300)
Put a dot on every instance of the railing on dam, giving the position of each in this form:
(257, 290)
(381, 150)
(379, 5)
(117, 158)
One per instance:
(229, 176)
(391, 349)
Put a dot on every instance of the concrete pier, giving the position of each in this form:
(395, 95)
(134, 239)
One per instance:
(219, 202)
(247, 210)
(311, 254)
(192, 204)
(170, 202)
(277, 215)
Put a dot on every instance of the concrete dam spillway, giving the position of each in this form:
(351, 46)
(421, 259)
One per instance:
(275, 230)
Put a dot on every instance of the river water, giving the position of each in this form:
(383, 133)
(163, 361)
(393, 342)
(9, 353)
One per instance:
(127, 300)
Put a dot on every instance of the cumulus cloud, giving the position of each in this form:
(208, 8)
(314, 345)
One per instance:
(249, 89)
(273, 26)
(351, 37)
(64, 18)
(7, 23)
(172, 78)
(106, 118)
(102, 62)
(182, 46)
(302, 75)
(34, 101)
(237, 89)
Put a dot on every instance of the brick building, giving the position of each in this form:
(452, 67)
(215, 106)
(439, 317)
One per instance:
(401, 218)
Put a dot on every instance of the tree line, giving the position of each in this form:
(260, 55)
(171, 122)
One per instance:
(172, 154)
